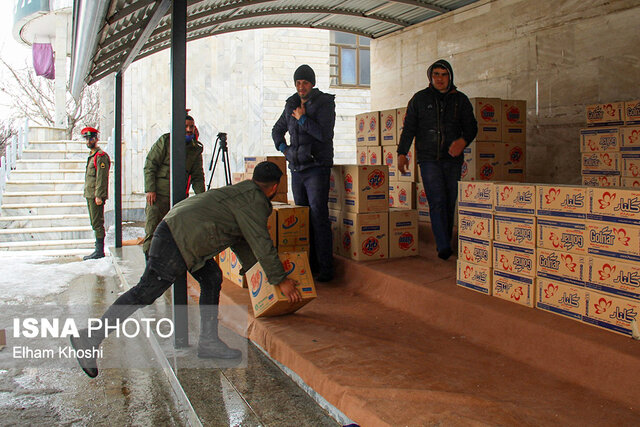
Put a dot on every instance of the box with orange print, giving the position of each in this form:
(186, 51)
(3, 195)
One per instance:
(512, 259)
(560, 265)
(404, 195)
(336, 188)
(615, 240)
(561, 297)
(268, 299)
(365, 188)
(476, 224)
(422, 204)
(374, 156)
(563, 201)
(476, 195)
(292, 225)
(515, 198)
(362, 155)
(517, 230)
(233, 268)
(600, 139)
(601, 161)
(514, 161)
(390, 159)
(615, 276)
(631, 164)
(474, 276)
(632, 112)
(630, 138)
(562, 235)
(403, 232)
(607, 114)
(601, 178)
(611, 312)
(361, 126)
(482, 162)
(413, 172)
(514, 288)
(488, 112)
(365, 236)
(475, 251)
(514, 120)
(614, 205)
(388, 129)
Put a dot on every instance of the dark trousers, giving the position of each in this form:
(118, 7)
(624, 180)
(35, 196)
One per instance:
(154, 214)
(440, 181)
(311, 188)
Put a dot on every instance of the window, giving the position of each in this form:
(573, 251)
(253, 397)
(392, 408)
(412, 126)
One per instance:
(349, 59)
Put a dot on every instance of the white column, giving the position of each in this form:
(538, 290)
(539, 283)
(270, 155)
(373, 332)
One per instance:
(60, 48)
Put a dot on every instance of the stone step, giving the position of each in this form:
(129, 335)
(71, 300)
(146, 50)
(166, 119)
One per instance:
(17, 186)
(24, 209)
(58, 145)
(27, 197)
(37, 221)
(77, 252)
(72, 164)
(47, 174)
(45, 233)
(32, 154)
(48, 245)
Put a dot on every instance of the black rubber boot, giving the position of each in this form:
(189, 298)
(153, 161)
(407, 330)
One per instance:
(209, 344)
(86, 349)
(99, 252)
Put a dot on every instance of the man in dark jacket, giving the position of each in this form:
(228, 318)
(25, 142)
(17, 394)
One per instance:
(309, 116)
(157, 177)
(195, 230)
(442, 122)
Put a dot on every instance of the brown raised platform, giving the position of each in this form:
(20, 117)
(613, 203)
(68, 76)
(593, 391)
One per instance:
(396, 342)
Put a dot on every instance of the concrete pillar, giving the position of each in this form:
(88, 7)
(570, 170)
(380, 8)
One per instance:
(60, 49)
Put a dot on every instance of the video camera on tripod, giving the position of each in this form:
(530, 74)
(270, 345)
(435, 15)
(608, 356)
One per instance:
(219, 147)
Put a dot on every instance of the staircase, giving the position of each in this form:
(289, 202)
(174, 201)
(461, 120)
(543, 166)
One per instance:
(43, 208)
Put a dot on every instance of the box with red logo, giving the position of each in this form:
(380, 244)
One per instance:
(403, 233)
(476, 224)
(630, 138)
(401, 113)
(561, 201)
(422, 205)
(608, 114)
(614, 276)
(560, 297)
(393, 195)
(476, 251)
(511, 287)
(374, 156)
(362, 155)
(405, 192)
(514, 120)
(411, 175)
(514, 259)
(336, 188)
(390, 159)
(611, 312)
(562, 235)
(237, 177)
(234, 267)
(223, 262)
(515, 229)
(268, 299)
(372, 131)
(475, 277)
(601, 178)
(292, 225)
(515, 198)
(488, 113)
(600, 139)
(335, 218)
(632, 112)
(482, 162)
(250, 164)
(619, 241)
(631, 164)
(361, 125)
(559, 265)
(628, 182)
(365, 236)
(476, 195)
(601, 161)
(614, 205)
(366, 188)
(388, 129)
(514, 162)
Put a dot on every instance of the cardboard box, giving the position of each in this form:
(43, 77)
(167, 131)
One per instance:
(514, 120)
(630, 138)
(600, 139)
(336, 188)
(362, 155)
(563, 201)
(514, 162)
(619, 241)
(515, 229)
(629, 182)
(614, 276)
(372, 131)
(365, 236)
(482, 162)
(237, 177)
(301, 248)
(610, 312)
(403, 233)
(476, 224)
(268, 299)
(630, 164)
(488, 113)
(335, 218)
(235, 267)
(559, 265)
(614, 205)
(511, 287)
(632, 112)
(250, 164)
(393, 195)
(562, 298)
(412, 169)
(389, 129)
(514, 259)
(562, 235)
(280, 197)
(515, 198)
(476, 195)
(608, 114)
(475, 277)
(223, 262)
(422, 205)
(405, 195)
(292, 224)
(366, 188)
(401, 113)
(475, 251)
(361, 126)
(374, 156)
(390, 159)
(601, 178)
(601, 161)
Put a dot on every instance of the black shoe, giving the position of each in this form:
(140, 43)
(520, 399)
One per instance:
(445, 253)
(323, 278)
(82, 344)
(216, 349)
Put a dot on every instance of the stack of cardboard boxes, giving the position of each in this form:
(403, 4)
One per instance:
(498, 152)
(610, 145)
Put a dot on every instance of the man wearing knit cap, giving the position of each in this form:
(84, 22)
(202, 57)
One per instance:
(442, 122)
(309, 116)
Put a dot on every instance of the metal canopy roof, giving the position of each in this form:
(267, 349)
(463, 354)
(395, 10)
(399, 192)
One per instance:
(133, 29)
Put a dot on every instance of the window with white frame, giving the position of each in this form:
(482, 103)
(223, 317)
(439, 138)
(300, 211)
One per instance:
(349, 60)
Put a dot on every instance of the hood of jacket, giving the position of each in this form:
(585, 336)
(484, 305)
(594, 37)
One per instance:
(441, 63)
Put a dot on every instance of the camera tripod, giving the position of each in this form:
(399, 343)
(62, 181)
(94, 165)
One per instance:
(220, 147)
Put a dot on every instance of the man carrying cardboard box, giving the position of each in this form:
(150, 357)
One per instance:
(191, 234)
(441, 120)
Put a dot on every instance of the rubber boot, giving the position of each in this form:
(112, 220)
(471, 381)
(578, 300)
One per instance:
(99, 252)
(209, 344)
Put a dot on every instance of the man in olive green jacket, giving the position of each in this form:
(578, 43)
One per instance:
(96, 188)
(157, 177)
(195, 230)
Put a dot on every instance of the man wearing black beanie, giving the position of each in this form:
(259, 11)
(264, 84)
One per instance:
(309, 116)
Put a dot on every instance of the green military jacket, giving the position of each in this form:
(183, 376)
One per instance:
(233, 216)
(96, 176)
(157, 168)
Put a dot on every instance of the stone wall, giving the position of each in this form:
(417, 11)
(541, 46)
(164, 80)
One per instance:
(558, 55)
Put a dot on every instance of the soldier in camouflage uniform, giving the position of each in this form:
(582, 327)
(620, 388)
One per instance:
(157, 177)
(96, 188)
